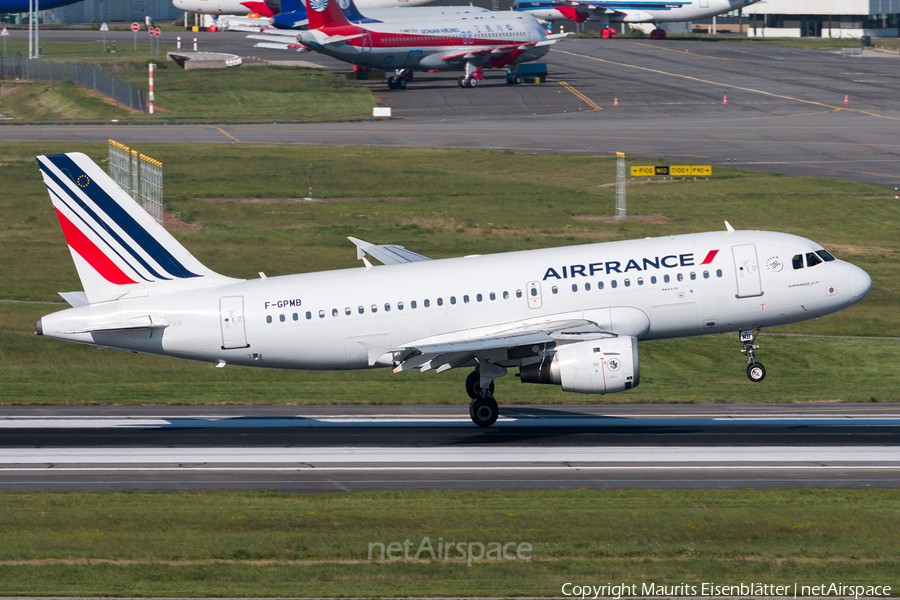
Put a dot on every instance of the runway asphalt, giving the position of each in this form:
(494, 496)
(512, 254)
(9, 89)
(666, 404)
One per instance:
(785, 110)
(318, 449)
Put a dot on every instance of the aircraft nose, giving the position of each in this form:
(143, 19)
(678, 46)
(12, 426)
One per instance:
(860, 284)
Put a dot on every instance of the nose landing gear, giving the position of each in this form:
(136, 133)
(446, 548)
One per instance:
(755, 370)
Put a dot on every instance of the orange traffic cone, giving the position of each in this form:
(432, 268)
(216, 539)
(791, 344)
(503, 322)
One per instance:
(846, 99)
(616, 101)
(724, 98)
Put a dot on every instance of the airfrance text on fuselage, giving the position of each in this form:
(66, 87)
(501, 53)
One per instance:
(670, 261)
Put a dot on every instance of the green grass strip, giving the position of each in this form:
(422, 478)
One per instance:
(273, 544)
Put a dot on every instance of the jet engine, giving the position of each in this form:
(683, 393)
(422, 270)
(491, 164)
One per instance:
(599, 366)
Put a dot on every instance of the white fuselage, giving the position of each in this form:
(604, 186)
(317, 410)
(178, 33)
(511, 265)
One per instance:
(651, 289)
(424, 44)
(640, 11)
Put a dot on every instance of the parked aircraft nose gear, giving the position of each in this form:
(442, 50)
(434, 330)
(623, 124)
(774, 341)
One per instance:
(469, 82)
(396, 82)
(513, 80)
(473, 386)
(484, 411)
(755, 370)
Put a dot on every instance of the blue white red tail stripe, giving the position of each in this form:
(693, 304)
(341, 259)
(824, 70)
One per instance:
(120, 217)
(118, 249)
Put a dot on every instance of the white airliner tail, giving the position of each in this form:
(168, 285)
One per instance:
(119, 250)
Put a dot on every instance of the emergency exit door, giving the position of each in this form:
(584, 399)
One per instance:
(746, 267)
(533, 294)
(234, 331)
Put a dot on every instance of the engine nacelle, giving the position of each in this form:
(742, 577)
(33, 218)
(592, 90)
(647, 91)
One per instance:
(593, 367)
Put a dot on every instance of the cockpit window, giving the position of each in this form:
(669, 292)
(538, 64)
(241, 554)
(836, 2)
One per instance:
(812, 259)
(798, 261)
(824, 255)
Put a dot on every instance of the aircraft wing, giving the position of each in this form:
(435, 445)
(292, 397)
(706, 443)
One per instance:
(592, 7)
(487, 51)
(387, 255)
(452, 354)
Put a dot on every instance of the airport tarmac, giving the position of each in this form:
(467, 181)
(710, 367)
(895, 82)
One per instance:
(785, 110)
(322, 448)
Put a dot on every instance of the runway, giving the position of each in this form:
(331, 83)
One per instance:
(785, 110)
(319, 449)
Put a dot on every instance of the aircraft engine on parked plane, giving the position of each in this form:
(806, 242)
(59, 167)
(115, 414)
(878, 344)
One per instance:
(600, 366)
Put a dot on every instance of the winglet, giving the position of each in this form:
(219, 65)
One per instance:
(728, 226)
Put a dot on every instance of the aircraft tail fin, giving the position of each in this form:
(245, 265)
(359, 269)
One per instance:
(325, 13)
(119, 250)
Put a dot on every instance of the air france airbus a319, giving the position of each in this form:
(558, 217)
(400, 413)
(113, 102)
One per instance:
(568, 316)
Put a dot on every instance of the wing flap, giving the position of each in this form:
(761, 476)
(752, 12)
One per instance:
(456, 353)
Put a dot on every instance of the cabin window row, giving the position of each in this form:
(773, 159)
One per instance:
(640, 281)
(492, 296)
(399, 306)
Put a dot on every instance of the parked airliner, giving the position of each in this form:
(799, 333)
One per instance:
(568, 316)
(630, 11)
(265, 8)
(455, 42)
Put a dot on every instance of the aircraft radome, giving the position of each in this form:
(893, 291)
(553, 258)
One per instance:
(569, 316)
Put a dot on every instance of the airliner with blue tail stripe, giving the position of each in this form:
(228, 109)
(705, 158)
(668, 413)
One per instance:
(570, 316)
(630, 11)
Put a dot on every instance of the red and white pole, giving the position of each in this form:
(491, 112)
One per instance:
(195, 44)
(178, 46)
(151, 88)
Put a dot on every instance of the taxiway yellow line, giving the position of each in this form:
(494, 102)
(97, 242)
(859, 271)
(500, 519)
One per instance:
(223, 132)
(585, 99)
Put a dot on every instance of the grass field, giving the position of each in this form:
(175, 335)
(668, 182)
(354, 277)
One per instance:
(249, 93)
(505, 202)
(270, 544)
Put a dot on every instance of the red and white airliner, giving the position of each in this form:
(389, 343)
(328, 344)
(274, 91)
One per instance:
(467, 42)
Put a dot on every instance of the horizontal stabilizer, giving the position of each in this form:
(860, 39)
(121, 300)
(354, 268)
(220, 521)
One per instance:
(135, 324)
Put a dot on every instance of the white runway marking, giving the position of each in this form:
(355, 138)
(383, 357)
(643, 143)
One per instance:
(392, 420)
(474, 456)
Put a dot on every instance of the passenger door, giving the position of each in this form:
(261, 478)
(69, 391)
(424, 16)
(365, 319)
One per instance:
(231, 315)
(746, 267)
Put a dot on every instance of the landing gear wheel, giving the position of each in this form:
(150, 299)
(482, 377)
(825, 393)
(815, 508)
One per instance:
(484, 411)
(473, 82)
(462, 82)
(756, 372)
(400, 84)
(473, 386)
(392, 82)
(513, 80)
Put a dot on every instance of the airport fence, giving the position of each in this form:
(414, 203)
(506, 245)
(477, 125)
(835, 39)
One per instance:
(140, 176)
(16, 66)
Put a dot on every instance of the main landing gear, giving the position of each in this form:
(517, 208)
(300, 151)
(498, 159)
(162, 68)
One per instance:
(755, 370)
(483, 410)
(398, 80)
(472, 77)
